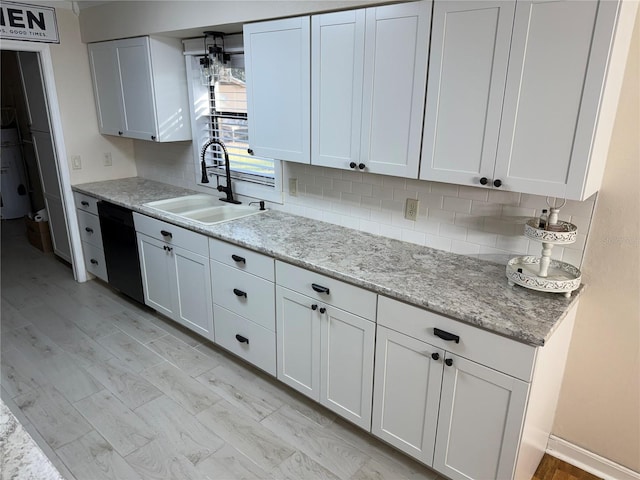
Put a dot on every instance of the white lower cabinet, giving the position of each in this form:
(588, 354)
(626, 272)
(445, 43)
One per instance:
(323, 351)
(176, 280)
(480, 421)
(407, 393)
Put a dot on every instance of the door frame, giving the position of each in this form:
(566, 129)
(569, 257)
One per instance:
(68, 204)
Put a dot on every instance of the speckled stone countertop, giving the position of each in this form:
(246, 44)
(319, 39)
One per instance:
(20, 456)
(464, 288)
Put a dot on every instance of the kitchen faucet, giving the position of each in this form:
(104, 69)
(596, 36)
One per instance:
(205, 177)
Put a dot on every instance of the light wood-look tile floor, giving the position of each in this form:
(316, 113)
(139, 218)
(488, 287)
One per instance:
(110, 390)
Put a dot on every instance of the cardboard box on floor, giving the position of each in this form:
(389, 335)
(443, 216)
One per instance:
(39, 235)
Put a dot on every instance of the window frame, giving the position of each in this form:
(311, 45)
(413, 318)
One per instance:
(193, 50)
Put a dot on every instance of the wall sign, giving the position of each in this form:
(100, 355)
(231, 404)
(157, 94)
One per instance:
(31, 23)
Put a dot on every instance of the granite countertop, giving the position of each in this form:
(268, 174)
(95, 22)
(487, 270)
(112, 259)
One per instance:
(464, 288)
(20, 456)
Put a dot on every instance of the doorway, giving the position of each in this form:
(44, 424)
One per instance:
(47, 141)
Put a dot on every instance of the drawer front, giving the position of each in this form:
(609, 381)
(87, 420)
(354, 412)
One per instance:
(242, 259)
(242, 337)
(171, 234)
(494, 351)
(86, 203)
(340, 294)
(90, 228)
(94, 261)
(245, 294)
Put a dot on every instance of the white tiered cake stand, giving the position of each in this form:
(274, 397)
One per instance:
(543, 273)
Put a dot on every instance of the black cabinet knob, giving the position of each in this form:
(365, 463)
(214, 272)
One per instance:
(250, 151)
(153, 137)
(497, 183)
(484, 181)
(449, 362)
(314, 307)
(361, 166)
(435, 356)
(120, 132)
(322, 309)
(353, 165)
(242, 339)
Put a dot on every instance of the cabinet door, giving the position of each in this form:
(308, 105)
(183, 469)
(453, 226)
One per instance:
(158, 275)
(337, 60)
(34, 92)
(194, 309)
(298, 342)
(395, 75)
(277, 63)
(134, 63)
(407, 393)
(467, 71)
(554, 81)
(480, 421)
(103, 62)
(346, 365)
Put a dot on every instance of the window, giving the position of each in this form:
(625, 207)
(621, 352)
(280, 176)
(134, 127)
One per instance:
(220, 111)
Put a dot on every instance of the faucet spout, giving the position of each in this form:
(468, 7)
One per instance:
(205, 178)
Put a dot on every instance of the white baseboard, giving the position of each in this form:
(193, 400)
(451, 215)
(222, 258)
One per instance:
(589, 461)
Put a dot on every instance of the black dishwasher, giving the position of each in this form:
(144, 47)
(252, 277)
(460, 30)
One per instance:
(121, 249)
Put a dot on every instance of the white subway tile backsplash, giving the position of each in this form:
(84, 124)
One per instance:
(455, 204)
(464, 248)
(413, 236)
(453, 232)
(481, 221)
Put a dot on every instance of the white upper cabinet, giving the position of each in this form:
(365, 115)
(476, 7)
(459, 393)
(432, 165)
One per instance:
(395, 75)
(140, 88)
(515, 95)
(467, 71)
(337, 59)
(369, 69)
(277, 65)
(557, 69)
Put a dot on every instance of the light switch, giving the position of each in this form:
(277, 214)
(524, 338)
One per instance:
(76, 162)
(106, 158)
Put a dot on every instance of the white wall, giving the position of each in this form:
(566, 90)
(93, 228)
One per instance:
(77, 109)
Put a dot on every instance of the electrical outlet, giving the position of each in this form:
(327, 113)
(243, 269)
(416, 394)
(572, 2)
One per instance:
(411, 209)
(106, 159)
(293, 187)
(76, 162)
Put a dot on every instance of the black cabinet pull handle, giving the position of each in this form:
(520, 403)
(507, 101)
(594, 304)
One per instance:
(361, 166)
(320, 288)
(449, 337)
(166, 234)
(484, 181)
(435, 356)
(497, 183)
(314, 307)
(322, 309)
(239, 259)
(449, 362)
(240, 293)
(88, 229)
(94, 261)
(242, 339)
(84, 203)
(353, 165)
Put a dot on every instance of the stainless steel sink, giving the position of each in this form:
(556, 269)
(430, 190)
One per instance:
(203, 208)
